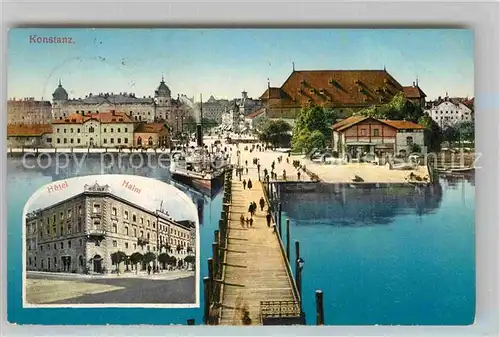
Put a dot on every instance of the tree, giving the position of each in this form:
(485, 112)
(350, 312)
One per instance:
(136, 258)
(276, 133)
(189, 260)
(117, 258)
(149, 257)
(466, 130)
(432, 136)
(450, 135)
(399, 108)
(311, 122)
(164, 258)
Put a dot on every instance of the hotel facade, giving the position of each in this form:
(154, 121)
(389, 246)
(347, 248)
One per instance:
(80, 234)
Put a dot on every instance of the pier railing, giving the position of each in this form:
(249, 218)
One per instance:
(214, 283)
(280, 309)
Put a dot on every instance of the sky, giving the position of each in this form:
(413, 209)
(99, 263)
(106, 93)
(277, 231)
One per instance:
(224, 62)
(152, 192)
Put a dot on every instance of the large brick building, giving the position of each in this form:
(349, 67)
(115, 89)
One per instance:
(28, 111)
(342, 90)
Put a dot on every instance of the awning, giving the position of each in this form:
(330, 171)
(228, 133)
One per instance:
(361, 144)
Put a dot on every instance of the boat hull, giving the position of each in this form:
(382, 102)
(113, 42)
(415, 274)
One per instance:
(207, 186)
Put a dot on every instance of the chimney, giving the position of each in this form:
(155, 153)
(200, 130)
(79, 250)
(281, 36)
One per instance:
(414, 84)
(113, 112)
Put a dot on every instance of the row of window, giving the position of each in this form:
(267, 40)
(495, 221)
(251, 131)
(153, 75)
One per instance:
(91, 130)
(112, 140)
(375, 132)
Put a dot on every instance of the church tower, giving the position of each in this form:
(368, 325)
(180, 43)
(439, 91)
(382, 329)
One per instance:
(59, 100)
(163, 101)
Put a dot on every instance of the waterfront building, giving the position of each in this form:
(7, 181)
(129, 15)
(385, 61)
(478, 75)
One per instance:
(81, 233)
(357, 135)
(152, 135)
(449, 111)
(140, 109)
(29, 135)
(251, 120)
(213, 109)
(344, 91)
(28, 111)
(104, 129)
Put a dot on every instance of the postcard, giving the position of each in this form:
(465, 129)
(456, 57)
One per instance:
(241, 176)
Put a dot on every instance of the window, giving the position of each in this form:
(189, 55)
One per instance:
(125, 140)
(375, 132)
(363, 132)
(147, 223)
(105, 141)
(118, 130)
(71, 130)
(112, 140)
(78, 130)
(64, 130)
(111, 129)
(78, 140)
(142, 234)
(125, 130)
(58, 130)
(91, 129)
(126, 230)
(61, 215)
(115, 228)
(79, 209)
(142, 220)
(125, 215)
(104, 129)
(71, 140)
(409, 141)
(58, 141)
(135, 232)
(154, 224)
(126, 245)
(62, 245)
(134, 218)
(113, 211)
(65, 141)
(119, 140)
(135, 246)
(69, 244)
(115, 243)
(148, 236)
(97, 208)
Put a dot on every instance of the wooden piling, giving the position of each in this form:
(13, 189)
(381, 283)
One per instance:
(206, 300)
(320, 314)
(288, 239)
(215, 253)
(210, 278)
(279, 220)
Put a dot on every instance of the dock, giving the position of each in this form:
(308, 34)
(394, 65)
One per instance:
(250, 278)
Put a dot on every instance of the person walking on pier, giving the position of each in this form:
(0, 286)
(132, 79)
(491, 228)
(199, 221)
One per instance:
(262, 203)
(250, 221)
(249, 184)
(268, 217)
(298, 175)
(246, 168)
(246, 162)
(250, 209)
(245, 184)
(284, 175)
(254, 207)
(242, 220)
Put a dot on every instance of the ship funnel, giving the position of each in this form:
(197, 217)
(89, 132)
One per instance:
(199, 135)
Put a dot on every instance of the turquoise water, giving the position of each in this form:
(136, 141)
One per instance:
(387, 256)
(381, 256)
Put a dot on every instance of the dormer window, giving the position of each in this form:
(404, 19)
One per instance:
(322, 91)
(303, 82)
(312, 91)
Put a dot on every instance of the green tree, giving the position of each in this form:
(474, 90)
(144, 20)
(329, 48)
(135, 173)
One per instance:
(163, 258)
(136, 258)
(399, 108)
(149, 257)
(117, 258)
(313, 121)
(466, 130)
(451, 135)
(276, 133)
(433, 135)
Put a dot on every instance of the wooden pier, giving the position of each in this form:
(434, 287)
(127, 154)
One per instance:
(250, 279)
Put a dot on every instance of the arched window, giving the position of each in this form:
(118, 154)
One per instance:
(91, 129)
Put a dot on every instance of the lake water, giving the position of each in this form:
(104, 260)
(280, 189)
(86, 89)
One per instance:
(387, 256)
(381, 256)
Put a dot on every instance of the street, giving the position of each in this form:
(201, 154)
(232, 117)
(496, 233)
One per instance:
(52, 289)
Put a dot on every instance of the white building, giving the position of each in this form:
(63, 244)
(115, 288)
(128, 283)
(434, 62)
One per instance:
(161, 107)
(448, 112)
(106, 129)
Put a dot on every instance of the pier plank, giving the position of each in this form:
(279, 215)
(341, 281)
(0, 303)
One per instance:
(264, 276)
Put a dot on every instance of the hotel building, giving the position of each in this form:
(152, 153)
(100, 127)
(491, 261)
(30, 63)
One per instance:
(80, 234)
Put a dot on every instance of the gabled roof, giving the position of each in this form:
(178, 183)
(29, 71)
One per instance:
(28, 130)
(397, 124)
(339, 87)
(103, 117)
(256, 113)
(350, 121)
(413, 92)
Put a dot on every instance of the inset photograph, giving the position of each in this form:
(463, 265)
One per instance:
(110, 240)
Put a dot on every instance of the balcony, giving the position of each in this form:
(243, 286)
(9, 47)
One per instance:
(97, 215)
(142, 241)
(96, 231)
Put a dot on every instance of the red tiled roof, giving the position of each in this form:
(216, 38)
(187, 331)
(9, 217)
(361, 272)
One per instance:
(337, 87)
(402, 125)
(345, 123)
(28, 130)
(397, 124)
(413, 92)
(256, 113)
(150, 128)
(103, 117)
